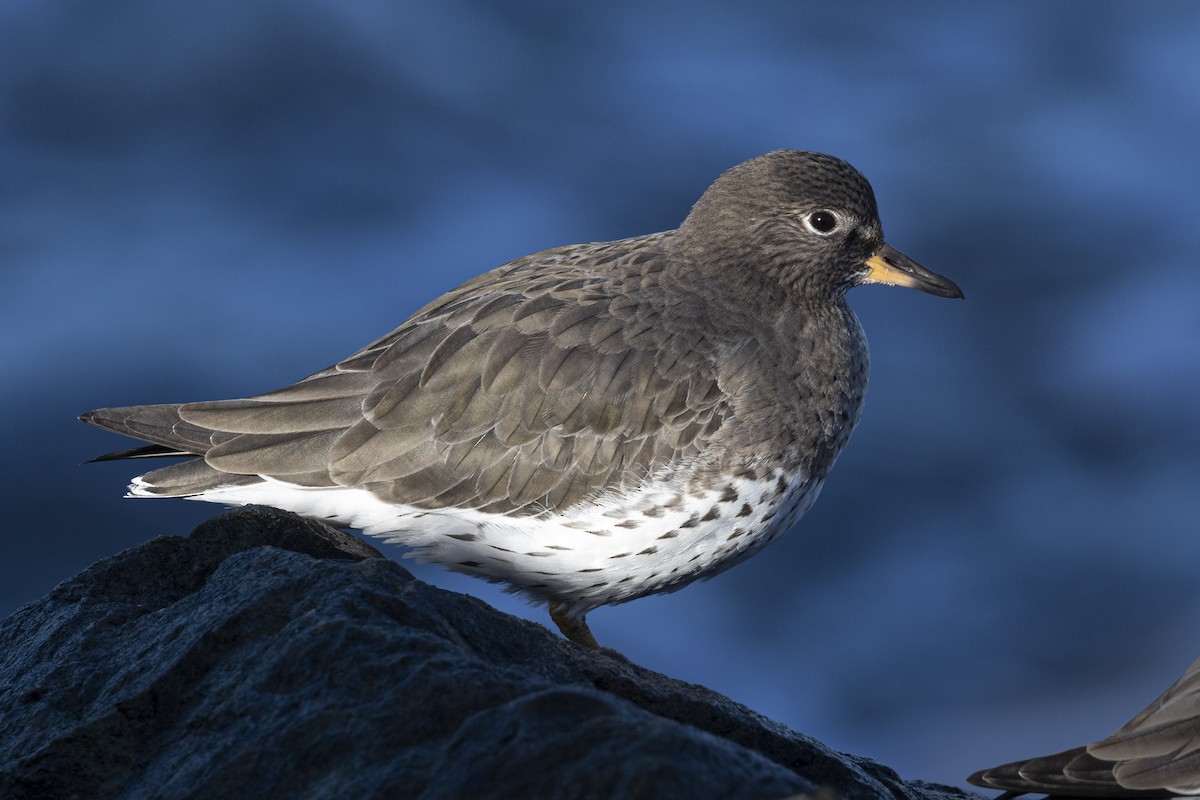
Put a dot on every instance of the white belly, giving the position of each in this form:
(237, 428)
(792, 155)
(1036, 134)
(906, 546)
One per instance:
(621, 546)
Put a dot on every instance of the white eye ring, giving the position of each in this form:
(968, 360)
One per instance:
(822, 222)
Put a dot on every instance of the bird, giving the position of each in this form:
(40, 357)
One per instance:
(1155, 754)
(589, 424)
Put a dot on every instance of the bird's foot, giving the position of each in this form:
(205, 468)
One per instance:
(574, 628)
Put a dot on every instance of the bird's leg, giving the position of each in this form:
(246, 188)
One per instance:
(574, 628)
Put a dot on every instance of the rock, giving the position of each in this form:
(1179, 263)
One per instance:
(268, 656)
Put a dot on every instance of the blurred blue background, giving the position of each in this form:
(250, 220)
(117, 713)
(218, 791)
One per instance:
(201, 201)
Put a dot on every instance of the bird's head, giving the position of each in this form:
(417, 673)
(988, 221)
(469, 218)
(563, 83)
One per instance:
(804, 221)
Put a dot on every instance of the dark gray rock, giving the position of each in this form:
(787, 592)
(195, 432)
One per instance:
(267, 656)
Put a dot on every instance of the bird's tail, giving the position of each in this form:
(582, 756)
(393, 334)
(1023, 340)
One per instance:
(160, 425)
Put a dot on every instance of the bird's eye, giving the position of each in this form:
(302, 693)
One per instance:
(822, 222)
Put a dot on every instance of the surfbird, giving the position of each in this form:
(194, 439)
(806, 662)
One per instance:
(1155, 754)
(588, 424)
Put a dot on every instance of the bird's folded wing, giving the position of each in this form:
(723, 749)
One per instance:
(1160, 747)
(525, 389)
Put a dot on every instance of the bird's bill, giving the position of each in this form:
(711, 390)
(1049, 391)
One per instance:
(889, 265)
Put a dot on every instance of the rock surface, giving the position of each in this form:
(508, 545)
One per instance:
(268, 656)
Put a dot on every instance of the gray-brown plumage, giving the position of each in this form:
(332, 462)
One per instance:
(572, 410)
(1155, 754)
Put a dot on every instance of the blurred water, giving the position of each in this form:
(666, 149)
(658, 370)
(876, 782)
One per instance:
(211, 201)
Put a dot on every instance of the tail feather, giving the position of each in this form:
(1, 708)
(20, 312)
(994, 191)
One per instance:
(145, 451)
(168, 435)
(1073, 773)
(187, 479)
(158, 424)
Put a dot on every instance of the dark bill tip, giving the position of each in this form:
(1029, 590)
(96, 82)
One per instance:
(890, 266)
